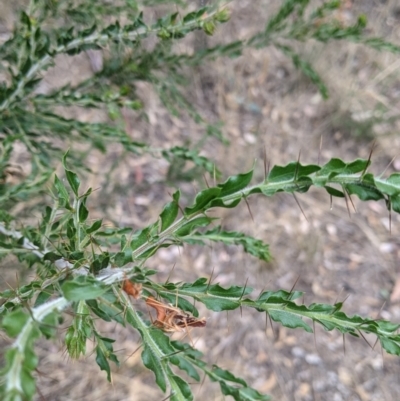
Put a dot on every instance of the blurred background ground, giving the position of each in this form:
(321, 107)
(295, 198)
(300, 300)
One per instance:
(264, 103)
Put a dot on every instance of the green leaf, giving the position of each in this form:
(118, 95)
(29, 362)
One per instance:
(51, 256)
(185, 393)
(239, 391)
(213, 296)
(390, 346)
(306, 68)
(170, 212)
(152, 362)
(182, 153)
(242, 394)
(235, 183)
(190, 226)
(83, 212)
(44, 295)
(14, 322)
(364, 192)
(288, 319)
(227, 375)
(82, 288)
(395, 203)
(101, 360)
(142, 236)
(183, 364)
(391, 186)
(75, 341)
(104, 352)
(202, 200)
(62, 193)
(72, 178)
(94, 227)
(334, 192)
(291, 171)
(251, 245)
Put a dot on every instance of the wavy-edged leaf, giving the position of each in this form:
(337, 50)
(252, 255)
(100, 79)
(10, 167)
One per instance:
(291, 171)
(191, 155)
(390, 186)
(306, 68)
(242, 393)
(363, 191)
(62, 193)
(288, 319)
(190, 226)
(203, 199)
(251, 245)
(82, 288)
(234, 386)
(72, 177)
(153, 363)
(235, 183)
(170, 212)
(213, 296)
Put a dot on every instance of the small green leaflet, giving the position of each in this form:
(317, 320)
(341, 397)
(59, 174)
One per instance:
(391, 186)
(214, 297)
(170, 212)
(235, 183)
(72, 178)
(14, 322)
(288, 319)
(62, 193)
(82, 288)
(104, 352)
(251, 245)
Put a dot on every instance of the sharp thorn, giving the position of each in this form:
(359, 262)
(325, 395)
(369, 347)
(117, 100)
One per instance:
(265, 163)
(391, 161)
(351, 201)
(376, 342)
(298, 204)
(344, 344)
(315, 336)
(297, 166)
(244, 289)
(170, 273)
(338, 296)
(361, 334)
(369, 158)
(272, 327)
(205, 179)
(320, 150)
(248, 207)
(294, 285)
(347, 202)
(380, 310)
(347, 297)
(210, 280)
(215, 176)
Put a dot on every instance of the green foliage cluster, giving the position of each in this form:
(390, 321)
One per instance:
(79, 263)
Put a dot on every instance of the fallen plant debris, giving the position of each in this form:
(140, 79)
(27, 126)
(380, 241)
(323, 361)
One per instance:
(169, 318)
(173, 319)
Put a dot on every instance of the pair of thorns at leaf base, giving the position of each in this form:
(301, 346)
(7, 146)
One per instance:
(169, 318)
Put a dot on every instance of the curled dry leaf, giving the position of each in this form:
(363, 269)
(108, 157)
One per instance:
(172, 319)
(132, 289)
